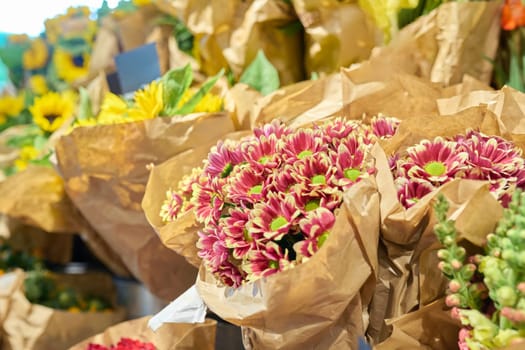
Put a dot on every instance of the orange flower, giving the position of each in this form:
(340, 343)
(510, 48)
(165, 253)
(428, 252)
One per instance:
(512, 15)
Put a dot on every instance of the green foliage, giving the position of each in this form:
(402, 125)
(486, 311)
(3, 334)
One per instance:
(261, 75)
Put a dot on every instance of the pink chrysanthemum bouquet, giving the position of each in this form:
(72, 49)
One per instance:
(432, 163)
(266, 203)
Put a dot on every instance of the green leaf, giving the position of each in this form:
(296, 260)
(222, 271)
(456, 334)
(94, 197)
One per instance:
(190, 105)
(85, 111)
(261, 75)
(74, 46)
(40, 142)
(175, 84)
(515, 74)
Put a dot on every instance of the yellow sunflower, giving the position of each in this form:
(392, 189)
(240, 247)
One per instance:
(148, 103)
(10, 106)
(210, 103)
(70, 68)
(36, 56)
(51, 110)
(38, 84)
(18, 38)
(27, 153)
(113, 110)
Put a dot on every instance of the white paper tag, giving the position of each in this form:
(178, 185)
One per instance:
(187, 308)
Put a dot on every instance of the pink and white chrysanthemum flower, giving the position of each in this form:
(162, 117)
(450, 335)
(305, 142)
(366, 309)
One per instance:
(410, 191)
(222, 158)
(229, 274)
(267, 260)
(172, 206)
(384, 127)
(302, 144)
(245, 186)
(186, 184)
(212, 247)
(316, 228)
(273, 218)
(491, 157)
(350, 163)
(276, 128)
(279, 181)
(338, 129)
(437, 161)
(313, 174)
(309, 202)
(236, 234)
(263, 153)
(208, 200)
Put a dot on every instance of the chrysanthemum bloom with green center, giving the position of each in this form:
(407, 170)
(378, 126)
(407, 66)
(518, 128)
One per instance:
(113, 110)
(436, 161)
(51, 110)
(10, 106)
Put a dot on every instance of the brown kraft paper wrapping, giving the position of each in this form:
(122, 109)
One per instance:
(31, 326)
(105, 172)
(455, 39)
(337, 34)
(179, 235)
(230, 33)
(318, 304)
(36, 196)
(171, 336)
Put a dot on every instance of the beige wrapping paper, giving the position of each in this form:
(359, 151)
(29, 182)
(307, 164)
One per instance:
(318, 304)
(134, 28)
(30, 326)
(302, 103)
(171, 336)
(455, 39)
(179, 235)
(36, 196)
(338, 33)
(230, 33)
(105, 48)
(105, 172)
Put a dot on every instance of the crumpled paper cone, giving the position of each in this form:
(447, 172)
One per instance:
(174, 336)
(134, 28)
(431, 327)
(456, 38)
(317, 304)
(230, 33)
(105, 48)
(31, 326)
(338, 34)
(36, 196)
(303, 103)
(179, 235)
(507, 104)
(105, 173)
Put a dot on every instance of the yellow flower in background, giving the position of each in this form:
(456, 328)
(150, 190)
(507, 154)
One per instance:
(142, 2)
(70, 68)
(27, 153)
(80, 11)
(148, 103)
(18, 38)
(10, 106)
(51, 110)
(38, 84)
(36, 56)
(52, 26)
(113, 110)
(210, 103)
(384, 13)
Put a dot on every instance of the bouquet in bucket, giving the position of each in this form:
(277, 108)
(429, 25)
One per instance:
(486, 291)
(266, 203)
